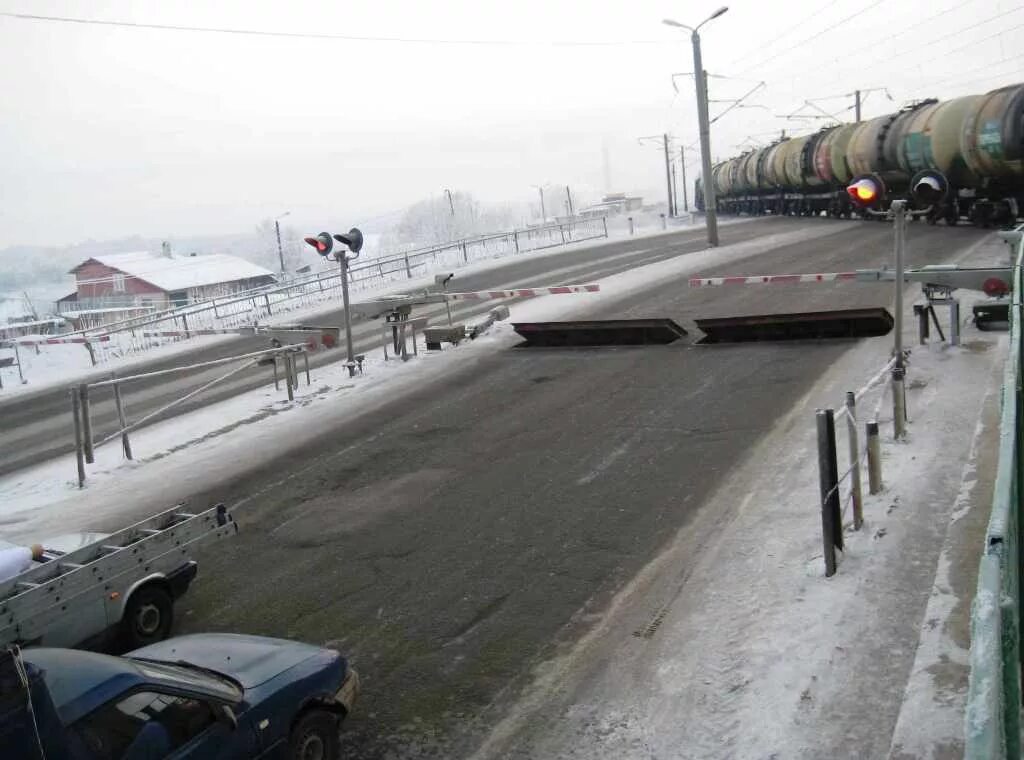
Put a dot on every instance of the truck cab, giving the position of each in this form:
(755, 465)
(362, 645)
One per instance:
(198, 696)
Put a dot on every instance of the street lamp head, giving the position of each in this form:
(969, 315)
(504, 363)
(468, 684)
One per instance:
(718, 13)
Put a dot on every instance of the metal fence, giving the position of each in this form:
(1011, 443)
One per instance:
(227, 313)
(992, 721)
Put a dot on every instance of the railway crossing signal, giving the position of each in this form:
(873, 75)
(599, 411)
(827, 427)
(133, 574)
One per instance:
(353, 239)
(322, 242)
(929, 187)
(865, 191)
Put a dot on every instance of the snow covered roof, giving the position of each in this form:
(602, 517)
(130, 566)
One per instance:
(180, 272)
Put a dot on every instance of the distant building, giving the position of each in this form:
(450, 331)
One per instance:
(123, 282)
(614, 203)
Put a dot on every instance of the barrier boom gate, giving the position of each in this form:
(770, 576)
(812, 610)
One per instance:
(72, 597)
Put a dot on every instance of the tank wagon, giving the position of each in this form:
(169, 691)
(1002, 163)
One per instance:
(960, 159)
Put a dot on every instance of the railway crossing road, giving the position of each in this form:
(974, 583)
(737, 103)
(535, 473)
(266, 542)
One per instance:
(454, 540)
(36, 426)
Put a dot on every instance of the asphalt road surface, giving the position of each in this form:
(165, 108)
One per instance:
(37, 426)
(454, 540)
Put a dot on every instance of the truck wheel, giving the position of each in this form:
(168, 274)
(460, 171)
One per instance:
(147, 617)
(315, 737)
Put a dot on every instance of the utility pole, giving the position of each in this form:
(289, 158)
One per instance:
(277, 228)
(710, 212)
(668, 176)
(280, 251)
(682, 167)
(675, 191)
(543, 209)
(856, 105)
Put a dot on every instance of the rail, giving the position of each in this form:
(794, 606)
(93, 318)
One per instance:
(992, 720)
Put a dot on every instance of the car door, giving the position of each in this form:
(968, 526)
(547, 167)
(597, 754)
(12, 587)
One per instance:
(154, 725)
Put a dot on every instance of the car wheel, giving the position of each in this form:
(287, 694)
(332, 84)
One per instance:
(147, 617)
(315, 737)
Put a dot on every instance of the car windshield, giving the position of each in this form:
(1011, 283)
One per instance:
(192, 677)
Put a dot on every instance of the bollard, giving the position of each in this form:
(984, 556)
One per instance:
(828, 478)
(184, 323)
(83, 393)
(79, 453)
(465, 255)
(266, 298)
(121, 418)
(851, 434)
(899, 403)
(305, 359)
(604, 222)
(289, 371)
(954, 322)
(874, 458)
(630, 220)
(515, 239)
(664, 222)
(922, 323)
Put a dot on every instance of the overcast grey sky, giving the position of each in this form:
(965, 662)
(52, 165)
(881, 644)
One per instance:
(113, 131)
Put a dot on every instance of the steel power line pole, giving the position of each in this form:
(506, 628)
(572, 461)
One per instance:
(682, 168)
(856, 105)
(668, 176)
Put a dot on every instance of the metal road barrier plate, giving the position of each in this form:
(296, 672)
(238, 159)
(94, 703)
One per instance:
(992, 314)
(843, 323)
(605, 332)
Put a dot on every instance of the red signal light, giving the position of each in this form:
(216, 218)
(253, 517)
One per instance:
(864, 192)
(321, 242)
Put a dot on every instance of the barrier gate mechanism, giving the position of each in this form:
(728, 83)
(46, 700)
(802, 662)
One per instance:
(397, 309)
(938, 281)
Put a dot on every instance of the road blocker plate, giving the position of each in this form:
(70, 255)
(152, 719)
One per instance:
(604, 332)
(811, 325)
(992, 314)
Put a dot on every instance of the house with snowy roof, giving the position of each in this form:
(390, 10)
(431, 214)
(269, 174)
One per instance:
(153, 281)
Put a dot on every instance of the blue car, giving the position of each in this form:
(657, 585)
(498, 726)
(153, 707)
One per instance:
(200, 697)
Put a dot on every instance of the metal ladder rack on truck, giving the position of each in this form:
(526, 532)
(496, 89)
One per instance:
(123, 584)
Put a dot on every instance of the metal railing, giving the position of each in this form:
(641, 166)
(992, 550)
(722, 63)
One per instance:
(245, 308)
(992, 721)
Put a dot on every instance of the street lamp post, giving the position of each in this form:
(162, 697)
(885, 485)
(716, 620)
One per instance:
(710, 215)
(277, 227)
(543, 210)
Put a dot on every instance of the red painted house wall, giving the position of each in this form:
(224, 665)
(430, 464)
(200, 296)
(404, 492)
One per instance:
(91, 270)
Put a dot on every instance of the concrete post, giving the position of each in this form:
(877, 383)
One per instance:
(79, 451)
(83, 393)
(874, 447)
(289, 376)
(899, 221)
(954, 322)
(664, 223)
(122, 419)
(630, 219)
(851, 435)
(899, 402)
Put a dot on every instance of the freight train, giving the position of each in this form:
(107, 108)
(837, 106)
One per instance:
(959, 159)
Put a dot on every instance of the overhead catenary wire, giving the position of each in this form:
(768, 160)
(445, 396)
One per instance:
(85, 21)
(814, 36)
